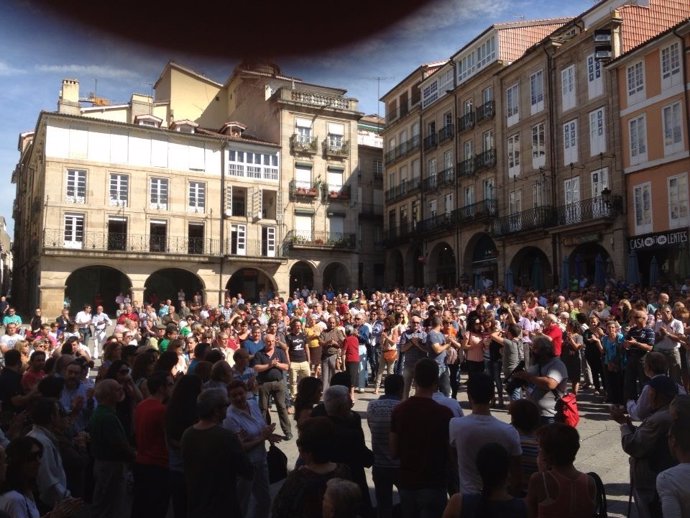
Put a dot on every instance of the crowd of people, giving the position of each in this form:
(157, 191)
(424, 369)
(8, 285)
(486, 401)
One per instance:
(168, 404)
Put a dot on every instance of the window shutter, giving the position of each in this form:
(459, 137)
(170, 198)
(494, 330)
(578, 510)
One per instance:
(228, 200)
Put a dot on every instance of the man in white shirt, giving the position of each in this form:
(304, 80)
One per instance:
(468, 434)
(83, 321)
(668, 335)
(100, 322)
(10, 338)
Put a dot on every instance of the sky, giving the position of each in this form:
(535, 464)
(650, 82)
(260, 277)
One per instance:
(36, 54)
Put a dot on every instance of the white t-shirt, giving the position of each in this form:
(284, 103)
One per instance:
(673, 486)
(468, 434)
(666, 343)
(18, 506)
(10, 341)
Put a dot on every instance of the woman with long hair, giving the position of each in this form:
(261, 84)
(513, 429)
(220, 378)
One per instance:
(180, 414)
(493, 464)
(120, 371)
(309, 391)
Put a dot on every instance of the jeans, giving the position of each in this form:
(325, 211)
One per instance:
(363, 375)
(454, 375)
(423, 503)
(634, 376)
(278, 390)
(493, 369)
(254, 494)
(151, 496)
(408, 377)
(85, 333)
(444, 380)
(373, 355)
(109, 489)
(384, 480)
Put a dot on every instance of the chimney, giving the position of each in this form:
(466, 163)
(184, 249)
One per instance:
(68, 102)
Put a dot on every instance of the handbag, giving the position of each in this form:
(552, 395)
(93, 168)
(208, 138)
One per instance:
(390, 355)
(277, 464)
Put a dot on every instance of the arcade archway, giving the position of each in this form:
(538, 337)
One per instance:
(336, 276)
(481, 259)
(96, 285)
(589, 260)
(416, 261)
(301, 275)
(531, 269)
(443, 257)
(396, 269)
(166, 283)
(252, 284)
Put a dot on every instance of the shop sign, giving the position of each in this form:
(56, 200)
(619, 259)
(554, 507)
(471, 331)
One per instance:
(660, 240)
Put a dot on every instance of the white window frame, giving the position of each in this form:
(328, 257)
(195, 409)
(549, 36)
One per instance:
(568, 86)
(74, 226)
(513, 104)
(196, 196)
(304, 234)
(270, 240)
(536, 89)
(669, 59)
(642, 208)
(538, 145)
(595, 78)
(75, 186)
(469, 195)
(513, 155)
(433, 208)
(678, 202)
(635, 82)
(515, 210)
(159, 192)
(672, 120)
(570, 151)
(448, 203)
(597, 131)
(238, 239)
(637, 128)
(118, 190)
(301, 181)
(571, 196)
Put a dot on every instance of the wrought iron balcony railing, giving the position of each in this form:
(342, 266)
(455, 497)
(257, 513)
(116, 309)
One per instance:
(403, 190)
(430, 142)
(486, 111)
(303, 144)
(336, 192)
(403, 149)
(434, 223)
(445, 133)
(485, 160)
(399, 234)
(589, 210)
(336, 149)
(466, 122)
(479, 211)
(430, 183)
(303, 190)
(531, 219)
(299, 239)
(466, 167)
(130, 243)
(446, 178)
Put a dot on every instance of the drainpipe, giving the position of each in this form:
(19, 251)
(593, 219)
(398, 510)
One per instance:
(549, 50)
(684, 68)
(455, 168)
(223, 147)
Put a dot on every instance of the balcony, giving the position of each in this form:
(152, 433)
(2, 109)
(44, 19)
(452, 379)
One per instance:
(486, 111)
(303, 191)
(296, 239)
(445, 133)
(476, 212)
(333, 149)
(589, 210)
(398, 235)
(320, 100)
(485, 160)
(113, 242)
(438, 222)
(430, 183)
(370, 210)
(336, 192)
(446, 178)
(403, 149)
(403, 190)
(430, 142)
(466, 167)
(466, 122)
(303, 145)
(531, 219)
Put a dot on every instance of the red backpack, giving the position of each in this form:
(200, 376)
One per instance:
(566, 409)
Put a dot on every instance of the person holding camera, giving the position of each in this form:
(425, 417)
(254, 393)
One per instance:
(511, 345)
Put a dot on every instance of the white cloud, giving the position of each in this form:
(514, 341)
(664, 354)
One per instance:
(7, 70)
(439, 14)
(103, 72)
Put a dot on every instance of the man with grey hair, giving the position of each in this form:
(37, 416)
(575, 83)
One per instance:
(213, 459)
(348, 443)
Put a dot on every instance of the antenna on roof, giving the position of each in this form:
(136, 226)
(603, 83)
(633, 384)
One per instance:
(378, 80)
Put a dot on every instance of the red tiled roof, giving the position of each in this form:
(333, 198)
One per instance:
(642, 23)
(514, 41)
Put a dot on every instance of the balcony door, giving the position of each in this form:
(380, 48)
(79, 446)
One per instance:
(573, 209)
(117, 233)
(600, 181)
(268, 241)
(303, 227)
(238, 239)
(158, 236)
(195, 238)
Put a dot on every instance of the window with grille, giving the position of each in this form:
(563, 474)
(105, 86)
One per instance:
(197, 196)
(74, 230)
(119, 190)
(158, 193)
(75, 191)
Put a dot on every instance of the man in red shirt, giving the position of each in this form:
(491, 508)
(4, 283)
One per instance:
(151, 494)
(129, 314)
(554, 332)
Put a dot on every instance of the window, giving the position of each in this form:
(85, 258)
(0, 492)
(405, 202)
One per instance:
(334, 179)
(468, 150)
(673, 133)
(678, 200)
(536, 89)
(268, 241)
(158, 195)
(568, 97)
(119, 189)
(303, 176)
(489, 188)
(117, 233)
(336, 227)
(158, 236)
(571, 193)
(197, 197)
(195, 238)
(597, 134)
(487, 94)
(448, 203)
(431, 167)
(638, 140)
(253, 165)
(570, 142)
(429, 94)
(513, 104)
(303, 226)
(514, 155)
(538, 194)
(670, 65)
(600, 181)
(635, 82)
(74, 230)
(642, 200)
(467, 106)
(238, 239)
(415, 169)
(433, 206)
(595, 81)
(303, 128)
(75, 191)
(469, 197)
(538, 146)
(515, 210)
(335, 136)
(487, 140)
